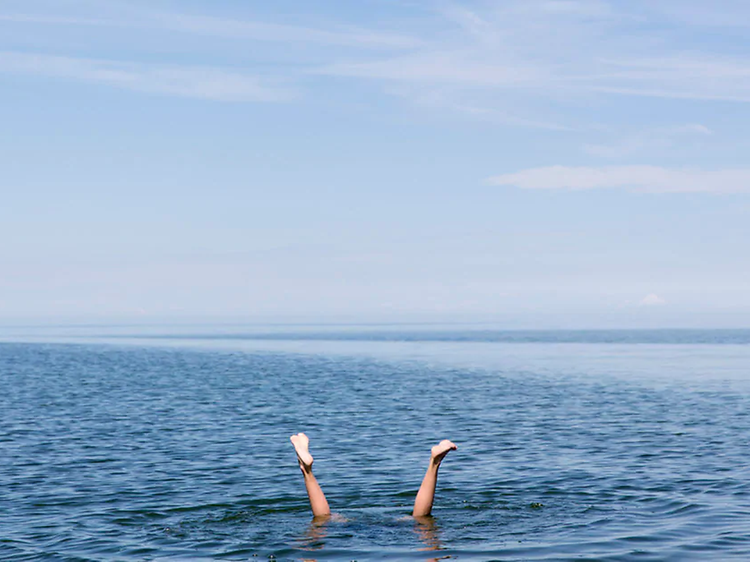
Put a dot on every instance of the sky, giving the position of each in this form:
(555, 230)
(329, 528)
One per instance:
(540, 163)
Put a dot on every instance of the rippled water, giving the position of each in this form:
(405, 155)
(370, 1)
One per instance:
(588, 451)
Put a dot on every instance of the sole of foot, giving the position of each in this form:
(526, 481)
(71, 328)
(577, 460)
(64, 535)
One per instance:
(301, 445)
(443, 448)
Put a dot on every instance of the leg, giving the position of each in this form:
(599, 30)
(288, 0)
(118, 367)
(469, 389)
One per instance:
(426, 494)
(318, 501)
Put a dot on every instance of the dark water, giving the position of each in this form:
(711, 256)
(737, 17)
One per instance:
(588, 451)
(365, 333)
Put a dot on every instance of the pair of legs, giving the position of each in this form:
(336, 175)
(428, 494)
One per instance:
(318, 502)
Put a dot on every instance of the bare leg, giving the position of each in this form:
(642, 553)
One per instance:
(426, 494)
(318, 501)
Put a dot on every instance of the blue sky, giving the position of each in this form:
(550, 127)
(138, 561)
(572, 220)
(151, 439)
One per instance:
(541, 162)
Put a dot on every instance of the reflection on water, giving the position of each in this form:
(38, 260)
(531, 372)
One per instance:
(315, 533)
(428, 532)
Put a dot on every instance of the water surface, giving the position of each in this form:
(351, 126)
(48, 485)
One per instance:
(570, 448)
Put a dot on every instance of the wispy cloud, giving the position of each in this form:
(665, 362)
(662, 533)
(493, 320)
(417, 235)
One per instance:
(561, 49)
(650, 179)
(470, 22)
(187, 81)
(718, 13)
(213, 82)
(54, 20)
(441, 67)
(236, 28)
(693, 75)
(504, 60)
(679, 77)
(449, 102)
(650, 140)
(261, 31)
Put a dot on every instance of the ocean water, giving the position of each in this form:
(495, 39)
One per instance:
(135, 444)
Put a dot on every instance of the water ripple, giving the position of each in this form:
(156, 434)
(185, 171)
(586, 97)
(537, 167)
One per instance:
(147, 453)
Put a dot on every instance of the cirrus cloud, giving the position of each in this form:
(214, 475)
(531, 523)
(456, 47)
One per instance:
(201, 82)
(648, 179)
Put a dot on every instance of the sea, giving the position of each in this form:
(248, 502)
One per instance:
(172, 443)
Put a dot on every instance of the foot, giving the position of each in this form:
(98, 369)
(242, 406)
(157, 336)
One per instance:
(441, 449)
(301, 444)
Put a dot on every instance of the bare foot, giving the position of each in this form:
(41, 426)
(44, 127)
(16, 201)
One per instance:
(441, 449)
(301, 443)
